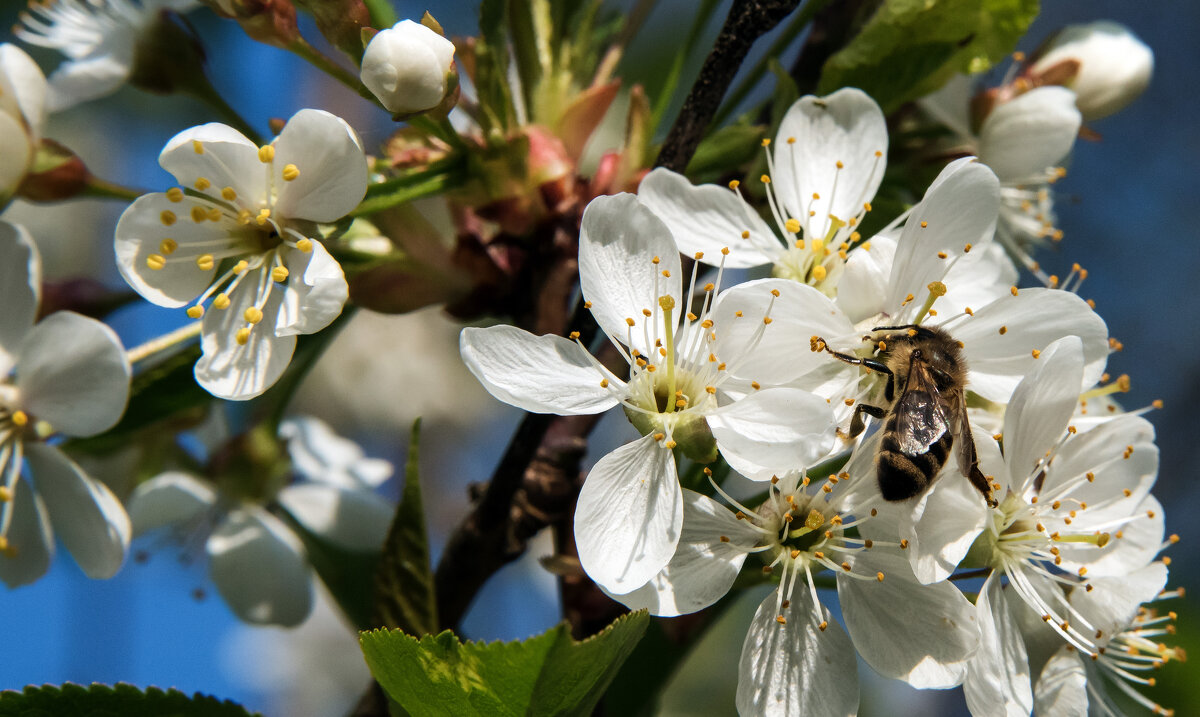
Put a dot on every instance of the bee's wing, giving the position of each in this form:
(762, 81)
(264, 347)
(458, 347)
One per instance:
(920, 420)
(968, 459)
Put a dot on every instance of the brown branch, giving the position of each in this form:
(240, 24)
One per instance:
(747, 21)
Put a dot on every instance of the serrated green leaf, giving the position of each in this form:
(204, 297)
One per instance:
(404, 592)
(548, 674)
(105, 701)
(909, 48)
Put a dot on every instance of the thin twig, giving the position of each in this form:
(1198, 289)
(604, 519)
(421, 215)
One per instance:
(747, 21)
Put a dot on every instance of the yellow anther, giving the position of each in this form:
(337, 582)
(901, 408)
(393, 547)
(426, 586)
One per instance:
(1003, 330)
(240, 267)
(202, 183)
(264, 215)
(746, 234)
(3, 544)
(175, 194)
(765, 179)
(252, 315)
(1036, 353)
(734, 184)
(604, 383)
(199, 214)
(780, 618)
(20, 419)
(878, 153)
(630, 322)
(168, 246)
(1013, 290)
(279, 273)
(195, 312)
(942, 255)
(792, 226)
(879, 577)
(5, 494)
(156, 261)
(228, 194)
(304, 245)
(937, 288)
(243, 217)
(824, 624)
(924, 225)
(818, 245)
(242, 336)
(197, 147)
(766, 142)
(214, 214)
(205, 262)
(266, 153)
(840, 165)
(290, 172)
(221, 301)
(167, 217)
(815, 195)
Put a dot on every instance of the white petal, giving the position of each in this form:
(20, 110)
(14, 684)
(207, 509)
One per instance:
(783, 353)
(541, 374)
(87, 517)
(863, 288)
(1112, 603)
(318, 454)
(959, 208)
(333, 168)
(1031, 321)
(921, 634)
(356, 520)
(30, 535)
(259, 568)
(796, 669)
(708, 219)
(168, 499)
(1061, 690)
(951, 106)
(943, 524)
(20, 287)
(980, 277)
(1040, 408)
(315, 294)
(140, 234)
(1140, 540)
(238, 372)
(998, 681)
(16, 155)
(225, 159)
(22, 90)
(72, 371)
(619, 239)
(1114, 65)
(629, 516)
(773, 431)
(845, 128)
(78, 81)
(712, 547)
(1029, 134)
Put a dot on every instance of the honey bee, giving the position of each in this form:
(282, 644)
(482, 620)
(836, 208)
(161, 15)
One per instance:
(927, 412)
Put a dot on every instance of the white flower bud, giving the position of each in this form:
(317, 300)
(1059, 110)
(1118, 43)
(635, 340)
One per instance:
(1114, 65)
(408, 67)
(22, 114)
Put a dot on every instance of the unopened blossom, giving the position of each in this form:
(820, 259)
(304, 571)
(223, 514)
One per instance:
(1073, 506)
(827, 162)
(100, 39)
(1026, 140)
(65, 375)
(630, 509)
(1105, 64)
(408, 67)
(238, 241)
(796, 659)
(22, 116)
(256, 560)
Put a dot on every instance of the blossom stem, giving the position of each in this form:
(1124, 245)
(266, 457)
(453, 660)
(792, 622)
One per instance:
(383, 15)
(412, 186)
(201, 88)
(166, 341)
(104, 189)
(318, 60)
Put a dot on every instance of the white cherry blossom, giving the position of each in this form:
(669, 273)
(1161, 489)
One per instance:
(1113, 65)
(408, 67)
(829, 158)
(67, 374)
(257, 562)
(630, 510)
(99, 39)
(238, 241)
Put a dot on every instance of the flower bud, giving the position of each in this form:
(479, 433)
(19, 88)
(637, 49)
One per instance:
(409, 67)
(22, 114)
(1111, 66)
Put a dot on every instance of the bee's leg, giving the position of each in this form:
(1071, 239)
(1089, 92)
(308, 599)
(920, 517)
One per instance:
(980, 481)
(818, 344)
(857, 425)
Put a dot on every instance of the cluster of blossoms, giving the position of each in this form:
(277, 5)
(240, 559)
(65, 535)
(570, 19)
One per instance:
(1064, 548)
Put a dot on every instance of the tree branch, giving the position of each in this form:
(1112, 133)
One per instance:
(747, 21)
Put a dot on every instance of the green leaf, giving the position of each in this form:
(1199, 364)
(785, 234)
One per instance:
(723, 150)
(404, 593)
(909, 48)
(491, 67)
(548, 674)
(347, 574)
(121, 699)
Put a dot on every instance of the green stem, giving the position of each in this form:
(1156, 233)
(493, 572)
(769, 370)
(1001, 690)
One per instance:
(203, 90)
(314, 57)
(449, 165)
(667, 92)
(383, 15)
(428, 186)
(104, 189)
(798, 23)
(440, 128)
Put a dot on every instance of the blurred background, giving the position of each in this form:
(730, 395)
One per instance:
(1128, 208)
